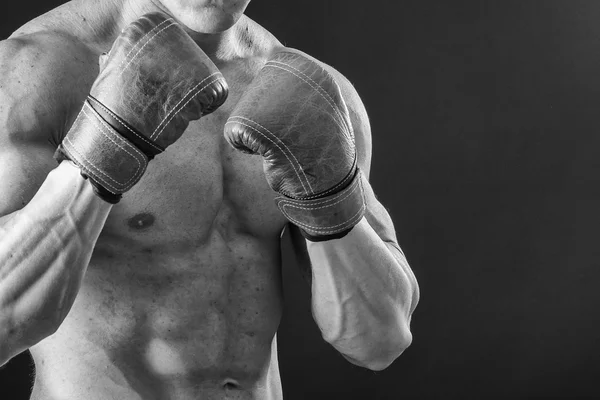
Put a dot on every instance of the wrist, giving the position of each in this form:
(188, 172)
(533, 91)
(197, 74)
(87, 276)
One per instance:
(64, 186)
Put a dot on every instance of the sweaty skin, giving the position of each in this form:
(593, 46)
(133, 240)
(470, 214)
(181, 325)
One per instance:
(182, 296)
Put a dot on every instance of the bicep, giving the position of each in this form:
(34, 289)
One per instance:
(31, 113)
(379, 218)
(23, 168)
(376, 214)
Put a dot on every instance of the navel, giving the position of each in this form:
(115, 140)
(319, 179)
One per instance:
(230, 384)
(141, 221)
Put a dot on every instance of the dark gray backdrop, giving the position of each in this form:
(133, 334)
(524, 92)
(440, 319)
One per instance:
(485, 119)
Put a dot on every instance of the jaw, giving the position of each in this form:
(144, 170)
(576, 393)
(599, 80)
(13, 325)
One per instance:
(211, 24)
(204, 16)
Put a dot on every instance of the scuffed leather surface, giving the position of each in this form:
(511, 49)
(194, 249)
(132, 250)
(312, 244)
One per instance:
(157, 80)
(293, 114)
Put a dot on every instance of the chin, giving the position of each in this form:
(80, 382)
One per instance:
(208, 22)
(206, 16)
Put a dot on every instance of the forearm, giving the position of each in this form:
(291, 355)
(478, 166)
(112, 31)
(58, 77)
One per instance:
(44, 250)
(363, 293)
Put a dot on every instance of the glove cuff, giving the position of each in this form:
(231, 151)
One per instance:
(112, 163)
(329, 217)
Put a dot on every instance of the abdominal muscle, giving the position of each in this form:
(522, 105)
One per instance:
(173, 322)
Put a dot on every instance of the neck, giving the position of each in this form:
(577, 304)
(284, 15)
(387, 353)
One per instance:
(218, 46)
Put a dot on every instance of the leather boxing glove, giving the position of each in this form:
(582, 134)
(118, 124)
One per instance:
(293, 114)
(155, 80)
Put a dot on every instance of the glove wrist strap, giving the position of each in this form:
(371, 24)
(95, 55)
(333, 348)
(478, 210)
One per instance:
(328, 217)
(111, 162)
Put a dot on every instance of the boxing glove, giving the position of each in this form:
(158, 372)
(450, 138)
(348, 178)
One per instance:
(294, 116)
(154, 81)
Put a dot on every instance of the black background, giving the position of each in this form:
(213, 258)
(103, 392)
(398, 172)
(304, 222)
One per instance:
(485, 139)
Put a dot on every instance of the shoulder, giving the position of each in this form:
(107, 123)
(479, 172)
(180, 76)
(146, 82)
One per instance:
(255, 40)
(43, 75)
(357, 113)
(263, 44)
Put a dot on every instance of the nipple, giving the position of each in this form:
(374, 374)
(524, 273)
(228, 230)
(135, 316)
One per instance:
(141, 221)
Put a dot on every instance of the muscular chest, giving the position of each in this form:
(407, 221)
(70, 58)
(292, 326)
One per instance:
(198, 185)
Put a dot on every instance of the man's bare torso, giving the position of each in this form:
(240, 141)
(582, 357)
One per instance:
(182, 297)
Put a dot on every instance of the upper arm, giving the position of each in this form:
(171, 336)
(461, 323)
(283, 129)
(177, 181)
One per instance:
(376, 214)
(36, 96)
